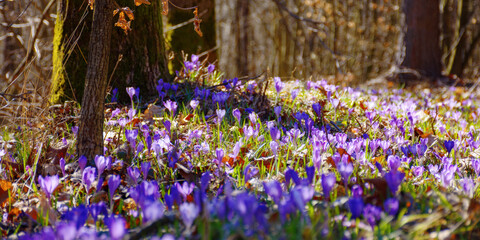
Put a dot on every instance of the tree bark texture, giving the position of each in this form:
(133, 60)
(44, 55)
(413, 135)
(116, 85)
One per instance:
(422, 37)
(90, 133)
(70, 50)
(137, 59)
(185, 38)
(242, 21)
(459, 49)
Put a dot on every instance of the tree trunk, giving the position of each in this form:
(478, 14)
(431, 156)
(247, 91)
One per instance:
(137, 59)
(185, 38)
(242, 26)
(90, 133)
(422, 38)
(459, 49)
(70, 50)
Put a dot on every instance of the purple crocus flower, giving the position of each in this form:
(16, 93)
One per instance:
(116, 226)
(275, 133)
(210, 68)
(237, 114)
(188, 212)
(447, 174)
(274, 190)
(101, 163)
(48, 184)
(88, 176)
(418, 171)
(355, 205)
(77, 215)
(153, 211)
(145, 167)
(131, 92)
(66, 231)
(249, 172)
(274, 147)
(345, 169)
(194, 103)
(113, 183)
(219, 153)
(236, 149)
(394, 179)
(133, 174)
(98, 209)
(291, 174)
(220, 115)
(277, 110)
(391, 206)
(372, 214)
(476, 166)
(205, 181)
(318, 109)
(185, 189)
(62, 165)
(294, 94)
(82, 162)
(171, 106)
(357, 191)
(310, 173)
(279, 85)
(167, 125)
(449, 145)
(394, 162)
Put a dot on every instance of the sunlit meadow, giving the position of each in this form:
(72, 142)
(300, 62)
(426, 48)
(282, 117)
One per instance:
(251, 158)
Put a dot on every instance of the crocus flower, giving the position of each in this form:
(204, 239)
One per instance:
(291, 174)
(355, 205)
(98, 209)
(220, 115)
(274, 147)
(211, 68)
(391, 206)
(393, 162)
(274, 190)
(294, 93)
(249, 172)
(116, 226)
(145, 167)
(277, 110)
(133, 174)
(185, 189)
(194, 103)
(66, 231)
(476, 166)
(62, 165)
(418, 171)
(48, 184)
(77, 215)
(153, 211)
(188, 212)
(82, 162)
(171, 106)
(101, 163)
(394, 179)
(237, 114)
(372, 214)
(318, 109)
(219, 153)
(279, 85)
(88, 176)
(131, 92)
(345, 169)
(205, 181)
(113, 183)
(449, 145)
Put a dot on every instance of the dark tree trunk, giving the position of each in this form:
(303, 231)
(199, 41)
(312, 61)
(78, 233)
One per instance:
(422, 37)
(137, 59)
(90, 133)
(242, 28)
(185, 38)
(70, 50)
(459, 50)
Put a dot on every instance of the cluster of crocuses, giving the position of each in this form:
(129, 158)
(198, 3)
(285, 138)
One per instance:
(350, 136)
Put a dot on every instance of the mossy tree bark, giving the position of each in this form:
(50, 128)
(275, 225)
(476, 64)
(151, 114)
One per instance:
(70, 50)
(185, 38)
(422, 38)
(137, 59)
(90, 132)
